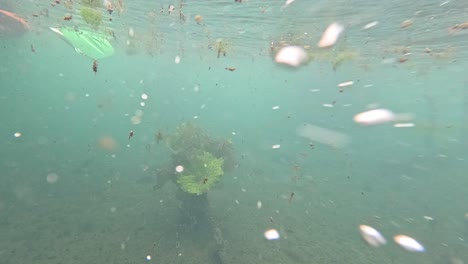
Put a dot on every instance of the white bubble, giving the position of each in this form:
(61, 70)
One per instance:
(179, 168)
(148, 257)
(144, 96)
(277, 146)
(372, 236)
(17, 134)
(142, 104)
(113, 209)
(259, 204)
(276, 107)
(330, 35)
(52, 178)
(177, 60)
(408, 243)
(292, 56)
(272, 234)
(374, 117)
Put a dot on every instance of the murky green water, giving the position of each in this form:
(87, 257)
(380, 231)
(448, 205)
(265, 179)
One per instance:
(76, 188)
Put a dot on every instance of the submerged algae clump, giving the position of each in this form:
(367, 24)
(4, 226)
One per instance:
(201, 174)
(204, 158)
(92, 3)
(91, 16)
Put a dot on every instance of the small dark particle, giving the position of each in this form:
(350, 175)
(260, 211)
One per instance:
(95, 66)
(230, 68)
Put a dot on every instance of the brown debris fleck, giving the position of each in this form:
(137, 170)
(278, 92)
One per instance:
(406, 23)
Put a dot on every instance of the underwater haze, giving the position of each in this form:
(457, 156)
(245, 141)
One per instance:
(233, 131)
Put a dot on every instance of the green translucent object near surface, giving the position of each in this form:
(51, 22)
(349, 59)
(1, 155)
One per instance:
(92, 44)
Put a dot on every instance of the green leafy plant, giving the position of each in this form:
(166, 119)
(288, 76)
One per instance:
(205, 159)
(201, 173)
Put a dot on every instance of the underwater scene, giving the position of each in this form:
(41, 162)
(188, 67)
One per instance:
(233, 131)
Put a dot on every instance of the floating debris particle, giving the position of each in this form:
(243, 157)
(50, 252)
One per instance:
(272, 234)
(408, 243)
(276, 107)
(177, 60)
(95, 66)
(371, 25)
(170, 9)
(323, 135)
(230, 68)
(372, 236)
(330, 35)
(291, 55)
(131, 32)
(345, 84)
(52, 178)
(17, 135)
(107, 143)
(198, 19)
(67, 17)
(403, 125)
(428, 218)
(406, 23)
(144, 96)
(374, 117)
(444, 3)
(259, 204)
(277, 146)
